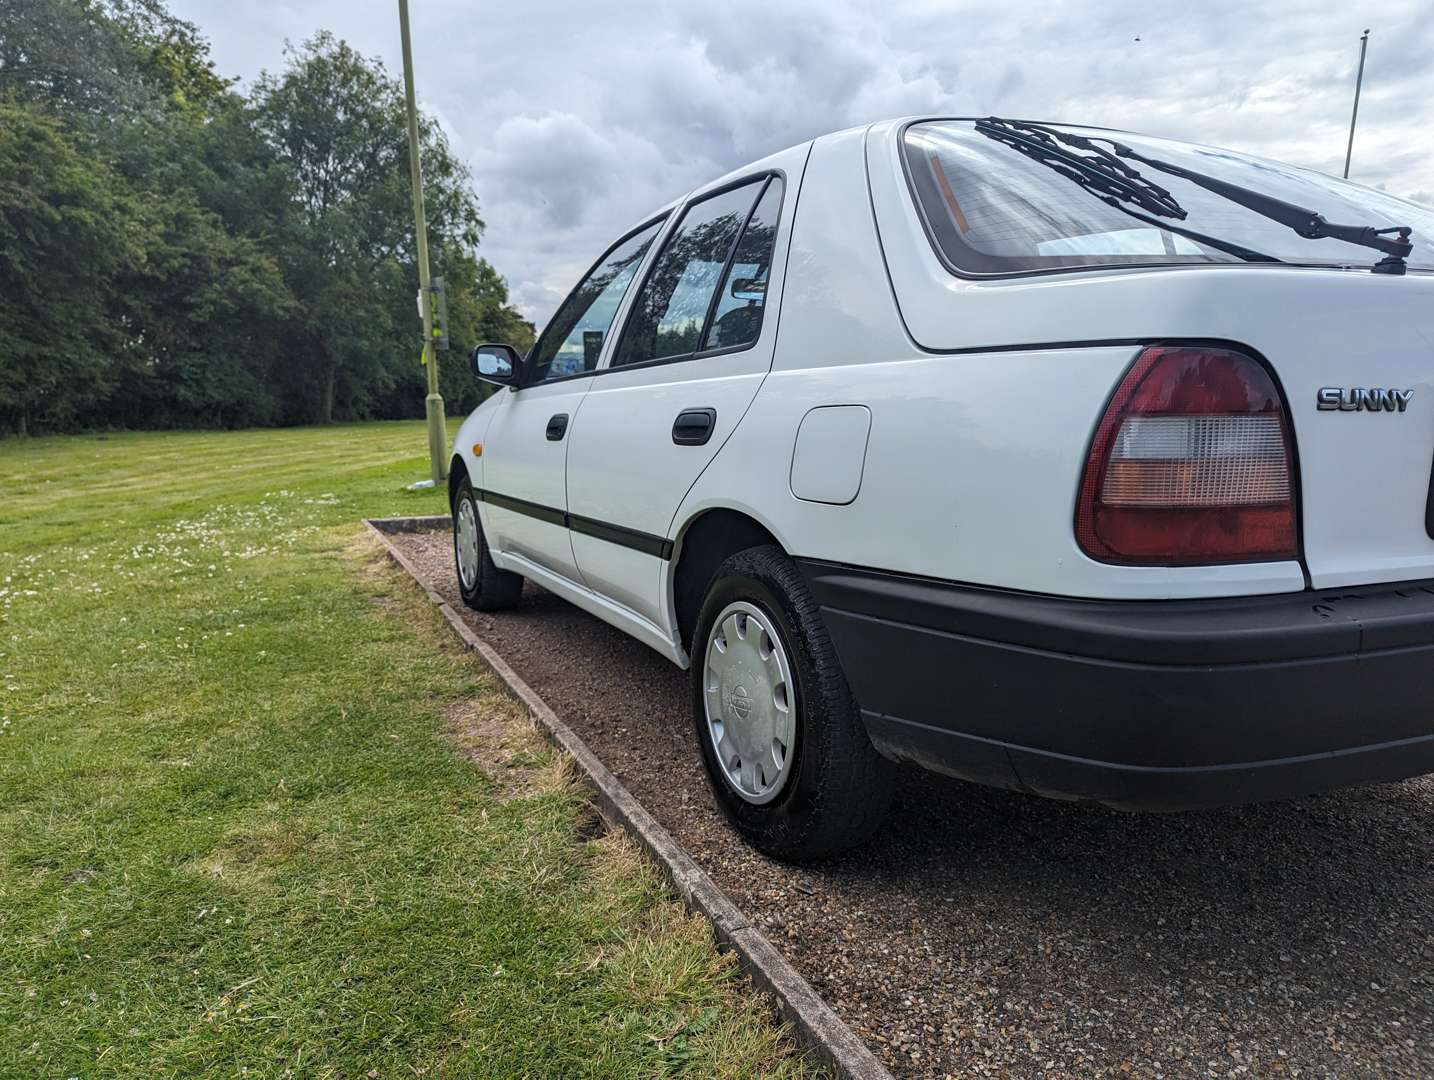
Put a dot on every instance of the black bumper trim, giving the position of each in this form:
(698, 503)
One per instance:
(1246, 629)
(1145, 704)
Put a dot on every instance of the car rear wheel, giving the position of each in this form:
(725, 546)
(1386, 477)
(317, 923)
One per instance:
(786, 753)
(483, 586)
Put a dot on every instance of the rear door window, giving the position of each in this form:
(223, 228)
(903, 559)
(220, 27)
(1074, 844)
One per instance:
(671, 314)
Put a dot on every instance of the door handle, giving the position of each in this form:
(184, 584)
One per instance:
(557, 427)
(693, 427)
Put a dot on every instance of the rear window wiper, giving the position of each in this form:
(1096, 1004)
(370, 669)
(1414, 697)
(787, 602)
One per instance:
(1311, 225)
(1109, 179)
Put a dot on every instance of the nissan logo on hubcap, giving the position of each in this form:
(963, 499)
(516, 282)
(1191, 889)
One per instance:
(740, 702)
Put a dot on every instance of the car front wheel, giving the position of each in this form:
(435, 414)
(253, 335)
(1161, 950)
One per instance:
(786, 752)
(483, 586)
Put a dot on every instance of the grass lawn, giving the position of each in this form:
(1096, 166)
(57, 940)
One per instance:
(260, 816)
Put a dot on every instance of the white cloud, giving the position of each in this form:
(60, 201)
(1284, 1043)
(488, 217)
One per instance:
(578, 119)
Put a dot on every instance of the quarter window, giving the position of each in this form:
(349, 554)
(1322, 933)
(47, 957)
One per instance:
(672, 312)
(573, 340)
(737, 318)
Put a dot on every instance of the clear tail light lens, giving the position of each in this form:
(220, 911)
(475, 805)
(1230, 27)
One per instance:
(1192, 463)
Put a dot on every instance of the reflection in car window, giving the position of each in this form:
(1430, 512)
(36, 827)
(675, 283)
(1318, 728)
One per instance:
(737, 319)
(1146, 241)
(574, 338)
(669, 313)
(992, 209)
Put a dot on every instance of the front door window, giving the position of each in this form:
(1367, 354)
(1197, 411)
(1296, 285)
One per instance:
(573, 340)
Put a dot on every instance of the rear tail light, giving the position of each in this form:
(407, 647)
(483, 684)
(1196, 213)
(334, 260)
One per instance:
(1192, 463)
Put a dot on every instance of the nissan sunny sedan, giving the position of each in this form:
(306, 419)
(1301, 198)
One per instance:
(1067, 460)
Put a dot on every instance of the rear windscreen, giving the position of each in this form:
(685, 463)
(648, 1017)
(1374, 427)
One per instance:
(990, 209)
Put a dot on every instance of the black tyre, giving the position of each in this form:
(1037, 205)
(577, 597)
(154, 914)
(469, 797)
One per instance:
(786, 752)
(482, 584)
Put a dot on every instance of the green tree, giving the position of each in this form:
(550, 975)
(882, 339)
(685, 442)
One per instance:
(98, 63)
(176, 253)
(68, 236)
(192, 304)
(210, 309)
(336, 119)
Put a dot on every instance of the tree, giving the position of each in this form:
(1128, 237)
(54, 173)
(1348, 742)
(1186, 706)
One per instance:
(174, 253)
(210, 309)
(336, 120)
(168, 317)
(99, 63)
(67, 237)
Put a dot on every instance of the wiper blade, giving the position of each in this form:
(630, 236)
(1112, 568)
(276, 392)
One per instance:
(1105, 174)
(1311, 225)
(1109, 179)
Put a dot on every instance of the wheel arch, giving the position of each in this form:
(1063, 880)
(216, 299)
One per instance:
(707, 539)
(457, 473)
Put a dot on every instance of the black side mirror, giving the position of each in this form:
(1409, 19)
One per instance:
(496, 364)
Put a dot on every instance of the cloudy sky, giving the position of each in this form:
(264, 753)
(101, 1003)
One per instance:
(578, 118)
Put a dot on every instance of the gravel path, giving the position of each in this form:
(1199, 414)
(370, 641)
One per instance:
(993, 934)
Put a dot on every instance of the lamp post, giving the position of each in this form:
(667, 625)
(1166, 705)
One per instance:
(1358, 82)
(433, 403)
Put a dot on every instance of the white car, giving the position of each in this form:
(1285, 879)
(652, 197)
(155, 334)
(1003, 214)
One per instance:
(1060, 459)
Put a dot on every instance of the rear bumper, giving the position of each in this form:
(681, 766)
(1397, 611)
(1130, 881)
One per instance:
(1150, 705)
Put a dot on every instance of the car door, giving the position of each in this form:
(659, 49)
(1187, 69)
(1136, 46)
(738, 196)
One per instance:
(525, 448)
(697, 342)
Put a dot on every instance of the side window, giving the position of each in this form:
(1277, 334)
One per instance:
(671, 312)
(737, 318)
(572, 341)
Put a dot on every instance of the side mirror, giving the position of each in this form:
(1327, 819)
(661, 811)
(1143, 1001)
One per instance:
(496, 364)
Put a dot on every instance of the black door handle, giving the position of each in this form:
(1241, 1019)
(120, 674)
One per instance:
(693, 427)
(557, 427)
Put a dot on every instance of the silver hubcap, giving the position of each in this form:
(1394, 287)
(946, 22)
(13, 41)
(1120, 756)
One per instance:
(465, 542)
(750, 702)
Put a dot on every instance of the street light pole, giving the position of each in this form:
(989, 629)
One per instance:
(433, 403)
(1358, 82)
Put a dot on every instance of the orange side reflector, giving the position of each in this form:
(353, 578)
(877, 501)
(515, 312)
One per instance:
(477, 449)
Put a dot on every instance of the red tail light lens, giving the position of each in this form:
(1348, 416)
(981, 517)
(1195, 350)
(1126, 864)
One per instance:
(1192, 463)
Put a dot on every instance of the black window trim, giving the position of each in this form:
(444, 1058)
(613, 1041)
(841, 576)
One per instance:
(768, 175)
(1080, 268)
(656, 219)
